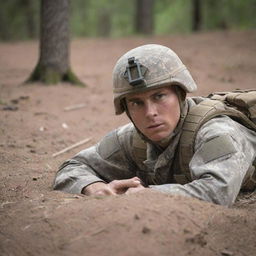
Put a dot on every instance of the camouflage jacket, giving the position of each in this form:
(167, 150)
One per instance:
(216, 179)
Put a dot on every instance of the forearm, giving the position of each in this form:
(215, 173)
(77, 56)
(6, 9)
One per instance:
(203, 189)
(74, 176)
(93, 188)
(218, 182)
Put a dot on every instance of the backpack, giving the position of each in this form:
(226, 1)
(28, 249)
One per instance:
(240, 105)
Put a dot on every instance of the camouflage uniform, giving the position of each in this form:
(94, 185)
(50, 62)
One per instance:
(216, 179)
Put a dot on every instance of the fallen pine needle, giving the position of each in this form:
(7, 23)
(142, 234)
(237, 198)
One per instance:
(74, 107)
(71, 147)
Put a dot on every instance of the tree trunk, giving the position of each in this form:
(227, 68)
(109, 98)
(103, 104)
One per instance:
(144, 16)
(196, 15)
(104, 22)
(53, 65)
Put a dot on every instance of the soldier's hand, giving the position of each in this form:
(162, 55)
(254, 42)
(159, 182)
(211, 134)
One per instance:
(134, 190)
(122, 186)
(115, 187)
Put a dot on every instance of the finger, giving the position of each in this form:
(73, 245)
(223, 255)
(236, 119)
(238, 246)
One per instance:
(141, 181)
(134, 190)
(122, 184)
(136, 178)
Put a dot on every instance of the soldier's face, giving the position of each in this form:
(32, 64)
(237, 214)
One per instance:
(155, 113)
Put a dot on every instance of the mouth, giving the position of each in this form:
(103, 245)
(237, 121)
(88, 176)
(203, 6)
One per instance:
(155, 126)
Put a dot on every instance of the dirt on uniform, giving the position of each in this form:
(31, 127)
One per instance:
(36, 121)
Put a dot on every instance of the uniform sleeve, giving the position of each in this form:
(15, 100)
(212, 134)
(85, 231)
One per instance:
(104, 162)
(224, 152)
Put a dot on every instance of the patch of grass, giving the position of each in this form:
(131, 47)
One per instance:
(2, 102)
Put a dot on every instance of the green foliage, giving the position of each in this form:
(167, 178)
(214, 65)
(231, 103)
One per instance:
(70, 77)
(234, 14)
(172, 16)
(88, 16)
(19, 19)
(2, 102)
(123, 18)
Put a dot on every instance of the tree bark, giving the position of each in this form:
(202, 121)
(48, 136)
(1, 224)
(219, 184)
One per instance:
(53, 65)
(196, 15)
(144, 16)
(104, 22)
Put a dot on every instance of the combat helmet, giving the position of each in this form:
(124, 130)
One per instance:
(147, 67)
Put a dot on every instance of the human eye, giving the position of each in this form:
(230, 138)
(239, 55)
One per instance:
(135, 103)
(159, 96)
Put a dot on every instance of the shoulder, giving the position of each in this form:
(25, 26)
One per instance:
(115, 140)
(221, 125)
(225, 126)
(218, 126)
(219, 135)
(121, 132)
(125, 130)
(216, 139)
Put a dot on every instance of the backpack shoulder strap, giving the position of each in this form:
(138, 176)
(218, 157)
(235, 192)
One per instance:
(139, 148)
(193, 121)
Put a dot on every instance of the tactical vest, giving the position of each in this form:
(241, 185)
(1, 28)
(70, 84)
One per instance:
(240, 105)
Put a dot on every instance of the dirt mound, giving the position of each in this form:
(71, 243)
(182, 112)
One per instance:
(35, 124)
(147, 223)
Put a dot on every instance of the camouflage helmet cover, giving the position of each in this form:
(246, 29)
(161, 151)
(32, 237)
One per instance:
(159, 66)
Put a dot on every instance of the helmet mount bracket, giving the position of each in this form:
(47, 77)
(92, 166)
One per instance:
(134, 72)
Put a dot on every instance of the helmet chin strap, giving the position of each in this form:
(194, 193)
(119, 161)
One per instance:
(183, 111)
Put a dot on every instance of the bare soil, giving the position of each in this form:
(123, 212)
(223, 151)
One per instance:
(35, 220)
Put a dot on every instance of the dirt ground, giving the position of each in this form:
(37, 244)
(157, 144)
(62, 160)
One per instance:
(34, 124)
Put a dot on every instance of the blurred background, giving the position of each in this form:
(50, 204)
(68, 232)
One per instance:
(19, 19)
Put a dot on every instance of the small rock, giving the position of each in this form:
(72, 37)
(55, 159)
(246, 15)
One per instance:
(10, 108)
(25, 97)
(146, 230)
(15, 101)
(11, 145)
(34, 178)
(65, 126)
(42, 129)
(227, 253)
(197, 239)
(136, 217)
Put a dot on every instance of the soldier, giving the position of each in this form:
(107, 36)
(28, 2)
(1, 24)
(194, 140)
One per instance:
(164, 147)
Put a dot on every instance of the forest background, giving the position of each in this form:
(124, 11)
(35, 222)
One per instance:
(19, 19)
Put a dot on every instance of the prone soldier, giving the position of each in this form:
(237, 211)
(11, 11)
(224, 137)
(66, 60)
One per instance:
(191, 146)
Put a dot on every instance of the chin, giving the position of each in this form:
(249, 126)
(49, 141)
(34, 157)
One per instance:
(158, 138)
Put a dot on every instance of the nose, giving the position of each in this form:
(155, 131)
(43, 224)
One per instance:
(150, 109)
